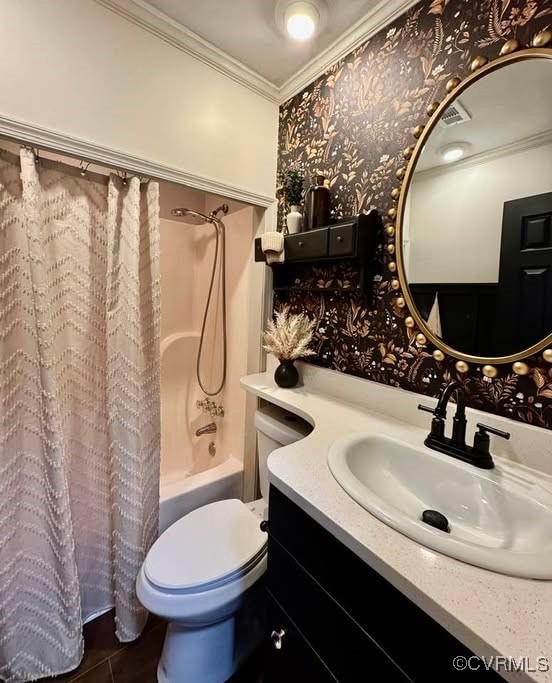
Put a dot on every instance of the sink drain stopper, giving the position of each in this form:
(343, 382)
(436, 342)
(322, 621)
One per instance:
(436, 519)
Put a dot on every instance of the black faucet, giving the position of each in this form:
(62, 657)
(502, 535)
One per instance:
(455, 446)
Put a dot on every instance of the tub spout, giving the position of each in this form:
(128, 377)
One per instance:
(208, 429)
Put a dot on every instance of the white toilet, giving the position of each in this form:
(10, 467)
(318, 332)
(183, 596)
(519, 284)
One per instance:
(202, 574)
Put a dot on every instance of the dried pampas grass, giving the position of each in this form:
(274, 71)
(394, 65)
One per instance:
(288, 336)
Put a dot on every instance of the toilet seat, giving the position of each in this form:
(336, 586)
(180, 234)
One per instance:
(206, 549)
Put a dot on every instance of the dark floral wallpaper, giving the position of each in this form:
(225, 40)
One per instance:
(351, 124)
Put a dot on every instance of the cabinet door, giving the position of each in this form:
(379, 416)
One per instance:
(344, 647)
(410, 638)
(290, 657)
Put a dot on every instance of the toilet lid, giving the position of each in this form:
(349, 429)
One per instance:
(210, 545)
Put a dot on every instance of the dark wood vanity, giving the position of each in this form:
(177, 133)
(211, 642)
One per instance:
(334, 618)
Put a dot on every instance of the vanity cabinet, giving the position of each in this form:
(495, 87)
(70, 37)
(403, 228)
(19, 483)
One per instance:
(334, 618)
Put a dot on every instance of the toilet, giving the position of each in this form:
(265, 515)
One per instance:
(203, 574)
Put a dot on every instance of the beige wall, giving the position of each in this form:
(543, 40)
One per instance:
(74, 67)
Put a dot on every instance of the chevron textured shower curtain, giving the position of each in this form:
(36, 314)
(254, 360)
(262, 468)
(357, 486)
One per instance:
(79, 391)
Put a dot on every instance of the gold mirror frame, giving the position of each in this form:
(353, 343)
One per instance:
(511, 52)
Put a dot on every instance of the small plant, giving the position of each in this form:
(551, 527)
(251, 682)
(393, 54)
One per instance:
(288, 336)
(293, 184)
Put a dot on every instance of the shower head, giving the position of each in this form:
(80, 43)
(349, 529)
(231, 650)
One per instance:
(191, 217)
(197, 218)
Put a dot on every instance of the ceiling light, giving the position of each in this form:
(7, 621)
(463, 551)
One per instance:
(301, 20)
(453, 152)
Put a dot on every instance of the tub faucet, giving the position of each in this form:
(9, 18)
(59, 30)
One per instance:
(208, 429)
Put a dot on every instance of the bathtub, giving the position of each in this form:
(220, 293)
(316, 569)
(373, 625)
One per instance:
(179, 495)
(191, 476)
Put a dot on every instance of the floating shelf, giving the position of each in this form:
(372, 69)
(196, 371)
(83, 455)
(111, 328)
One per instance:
(354, 239)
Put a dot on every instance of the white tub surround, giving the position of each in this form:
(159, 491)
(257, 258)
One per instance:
(180, 493)
(491, 613)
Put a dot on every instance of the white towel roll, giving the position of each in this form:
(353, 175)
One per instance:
(272, 244)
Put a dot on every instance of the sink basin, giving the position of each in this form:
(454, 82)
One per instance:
(499, 519)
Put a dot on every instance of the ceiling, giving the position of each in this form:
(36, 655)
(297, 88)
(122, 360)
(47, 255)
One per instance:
(498, 118)
(247, 31)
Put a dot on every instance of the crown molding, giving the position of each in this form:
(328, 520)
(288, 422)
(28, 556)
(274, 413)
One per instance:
(32, 135)
(523, 145)
(380, 16)
(144, 15)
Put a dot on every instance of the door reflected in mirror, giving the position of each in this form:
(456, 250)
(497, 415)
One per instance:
(477, 219)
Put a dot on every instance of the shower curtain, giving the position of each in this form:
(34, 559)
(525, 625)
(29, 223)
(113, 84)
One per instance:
(79, 390)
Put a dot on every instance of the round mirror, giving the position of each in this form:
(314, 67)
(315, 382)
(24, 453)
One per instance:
(475, 218)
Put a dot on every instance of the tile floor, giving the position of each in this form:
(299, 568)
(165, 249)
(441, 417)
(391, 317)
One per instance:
(106, 660)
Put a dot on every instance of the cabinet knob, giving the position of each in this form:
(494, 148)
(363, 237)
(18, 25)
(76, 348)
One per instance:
(264, 525)
(340, 238)
(301, 244)
(277, 638)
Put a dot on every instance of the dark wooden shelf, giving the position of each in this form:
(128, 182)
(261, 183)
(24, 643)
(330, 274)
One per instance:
(353, 239)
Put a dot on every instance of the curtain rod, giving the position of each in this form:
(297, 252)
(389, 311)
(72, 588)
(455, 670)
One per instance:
(84, 162)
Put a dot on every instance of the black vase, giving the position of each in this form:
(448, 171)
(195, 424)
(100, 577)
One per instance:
(286, 375)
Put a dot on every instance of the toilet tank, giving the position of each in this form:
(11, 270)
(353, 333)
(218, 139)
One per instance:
(276, 427)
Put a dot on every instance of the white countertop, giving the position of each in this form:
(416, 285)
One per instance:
(492, 614)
